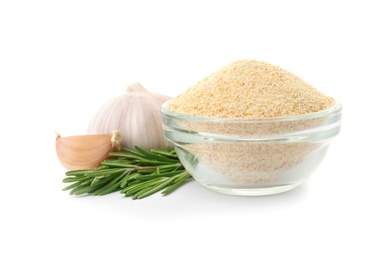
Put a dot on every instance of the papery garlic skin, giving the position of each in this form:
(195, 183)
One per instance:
(136, 114)
(81, 152)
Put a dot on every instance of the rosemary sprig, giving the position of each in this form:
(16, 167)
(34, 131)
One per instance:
(136, 173)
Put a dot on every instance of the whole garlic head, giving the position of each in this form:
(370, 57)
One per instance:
(136, 115)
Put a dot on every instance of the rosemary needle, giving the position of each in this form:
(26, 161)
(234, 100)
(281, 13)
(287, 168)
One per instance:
(134, 172)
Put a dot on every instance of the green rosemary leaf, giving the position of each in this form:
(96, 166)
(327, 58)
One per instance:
(82, 189)
(177, 183)
(69, 187)
(170, 167)
(111, 186)
(130, 150)
(136, 195)
(87, 182)
(135, 165)
(83, 172)
(124, 180)
(135, 187)
(184, 175)
(117, 164)
(156, 188)
(148, 171)
(152, 162)
(166, 154)
(75, 179)
(133, 176)
(76, 173)
(125, 156)
(154, 156)
(158, 175)
(132, 153)
(104, 172)
(101, 180)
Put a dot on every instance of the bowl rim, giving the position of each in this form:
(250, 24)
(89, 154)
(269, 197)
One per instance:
(335, 108)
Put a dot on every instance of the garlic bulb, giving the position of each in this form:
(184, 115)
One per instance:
(82, 152)
(136, 114)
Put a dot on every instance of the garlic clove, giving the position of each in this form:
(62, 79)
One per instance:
(82, 152)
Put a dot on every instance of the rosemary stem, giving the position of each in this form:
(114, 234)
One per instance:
(134, 172)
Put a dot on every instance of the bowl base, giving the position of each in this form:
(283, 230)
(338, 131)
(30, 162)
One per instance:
(257, 191)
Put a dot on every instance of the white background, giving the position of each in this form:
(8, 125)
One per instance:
(61, 60)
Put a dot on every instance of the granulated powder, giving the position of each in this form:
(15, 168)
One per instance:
(245, 163)
(250, 89)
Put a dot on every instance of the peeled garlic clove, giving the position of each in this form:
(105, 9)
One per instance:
(136, 114)
(82, 152)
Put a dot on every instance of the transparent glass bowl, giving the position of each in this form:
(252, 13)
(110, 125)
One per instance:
(251, 157)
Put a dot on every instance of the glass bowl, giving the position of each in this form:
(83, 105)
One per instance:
(251, 157)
